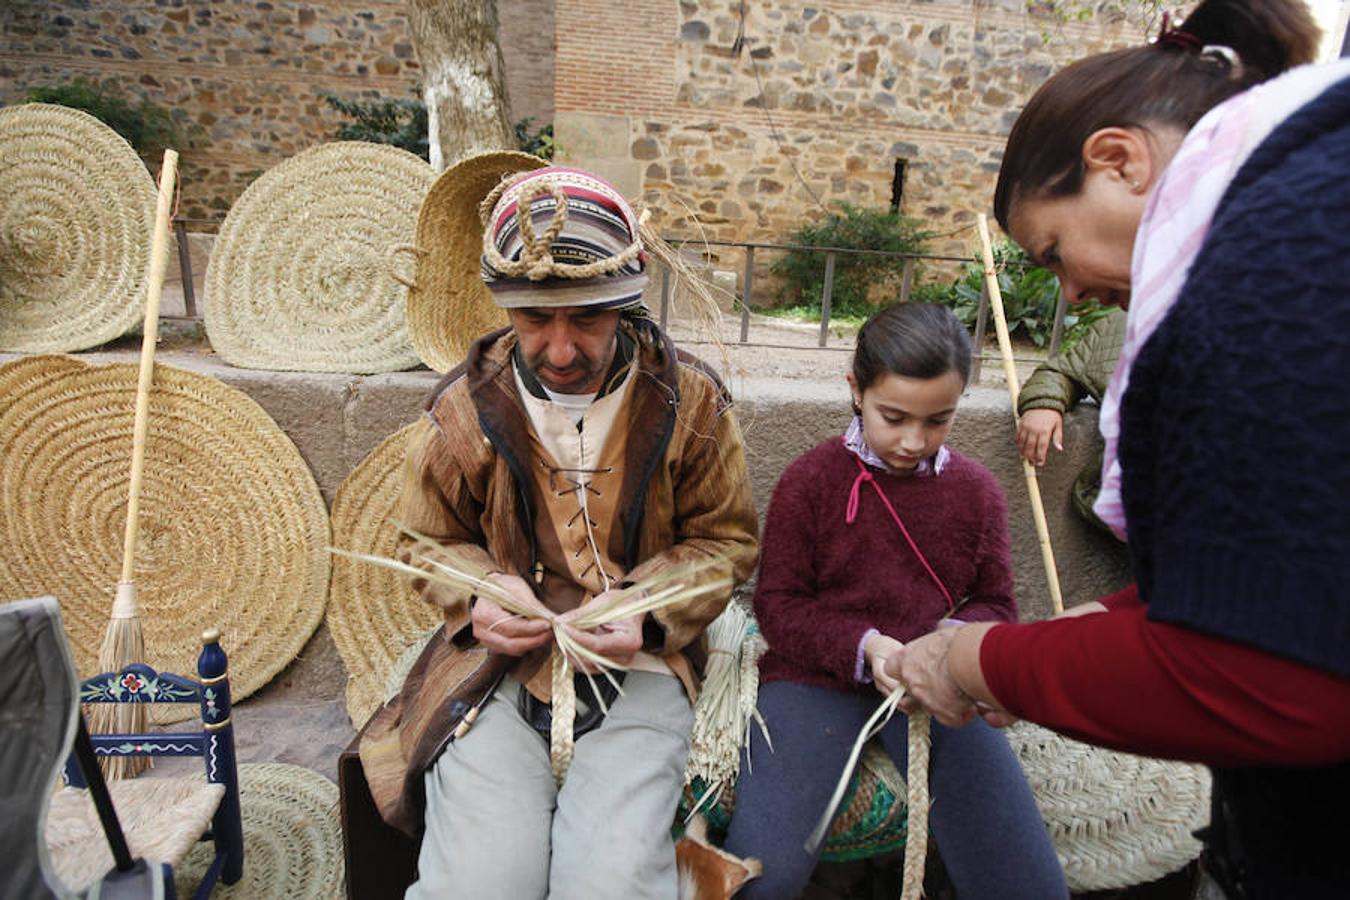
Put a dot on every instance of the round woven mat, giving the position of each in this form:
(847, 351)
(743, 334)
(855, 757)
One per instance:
(232, 529)
(373, 613)
(77, 211)
(299, 275)
(449, 305)
(292, 838)
(1115, 819)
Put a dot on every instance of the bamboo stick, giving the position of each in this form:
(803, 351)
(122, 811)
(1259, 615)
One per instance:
(1010, 373)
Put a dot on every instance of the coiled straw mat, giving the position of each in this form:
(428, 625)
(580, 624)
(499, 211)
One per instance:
(373, 613)
(448, 304)
(299, 276)
(233, 531)
(292, 838)
(1115, 819)
(77, 209)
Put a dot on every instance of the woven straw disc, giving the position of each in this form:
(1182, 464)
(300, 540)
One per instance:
(450, 305)
(299, 276)
(232, 529)
(373, 613)
(292, 838)
(77, 210)
(1115, 819)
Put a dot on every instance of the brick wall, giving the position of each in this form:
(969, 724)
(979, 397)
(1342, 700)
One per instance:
(248, 75)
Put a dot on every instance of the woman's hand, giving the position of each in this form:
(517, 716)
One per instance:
(503, 632)
(1037, 430)
(921, 665)
(876, 651)
(942, 672)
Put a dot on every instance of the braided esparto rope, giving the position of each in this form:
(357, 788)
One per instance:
(916, 830)
(561, 740)
(536, 258)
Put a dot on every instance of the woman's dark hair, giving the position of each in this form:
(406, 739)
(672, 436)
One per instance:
(916, 340)
(1170, 82)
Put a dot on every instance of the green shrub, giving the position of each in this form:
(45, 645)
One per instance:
(1030, 295)
(802, 272)
(402, 123)
(537, 141)
(146, 127)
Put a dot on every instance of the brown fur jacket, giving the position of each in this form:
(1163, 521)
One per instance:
(685, 496)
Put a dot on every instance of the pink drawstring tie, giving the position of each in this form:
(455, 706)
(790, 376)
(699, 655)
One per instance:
(851, 515)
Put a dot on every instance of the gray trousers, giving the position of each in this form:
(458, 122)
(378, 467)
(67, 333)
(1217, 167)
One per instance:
(498, 827)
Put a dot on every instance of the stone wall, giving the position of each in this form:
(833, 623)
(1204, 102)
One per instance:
(247, 76)
(740, 129)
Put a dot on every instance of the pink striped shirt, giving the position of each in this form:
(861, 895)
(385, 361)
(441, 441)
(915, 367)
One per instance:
(1174, 225)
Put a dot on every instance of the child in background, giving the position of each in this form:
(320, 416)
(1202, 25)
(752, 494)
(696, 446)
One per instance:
(871, 540)
(1057, 386)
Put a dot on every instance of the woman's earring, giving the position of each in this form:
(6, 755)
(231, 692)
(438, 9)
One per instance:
(1134, 185)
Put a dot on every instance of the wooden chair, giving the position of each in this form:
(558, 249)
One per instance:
(163, 817)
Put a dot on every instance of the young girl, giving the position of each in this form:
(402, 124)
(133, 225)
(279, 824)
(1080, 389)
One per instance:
(871, 540)
(1219, 209)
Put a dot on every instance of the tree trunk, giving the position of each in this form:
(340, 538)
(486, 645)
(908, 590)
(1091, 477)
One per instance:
(463, 80)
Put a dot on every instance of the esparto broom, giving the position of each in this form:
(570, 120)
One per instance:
(124, 640)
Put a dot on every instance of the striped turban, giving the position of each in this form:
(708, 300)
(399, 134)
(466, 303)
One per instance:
(578, 246)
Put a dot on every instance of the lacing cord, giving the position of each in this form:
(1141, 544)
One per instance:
(851, 515)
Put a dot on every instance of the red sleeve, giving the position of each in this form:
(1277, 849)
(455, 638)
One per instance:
(1120, 680)
(1122, 599)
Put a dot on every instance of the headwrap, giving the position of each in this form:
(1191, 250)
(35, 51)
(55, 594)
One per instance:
(578, 246)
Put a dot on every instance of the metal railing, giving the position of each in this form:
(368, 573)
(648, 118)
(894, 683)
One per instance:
(745, 299)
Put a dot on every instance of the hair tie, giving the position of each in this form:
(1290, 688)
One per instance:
(1176, 37)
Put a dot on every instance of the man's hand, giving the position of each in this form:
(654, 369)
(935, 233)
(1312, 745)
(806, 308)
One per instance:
(618, 641)
(502, 632)
(1037, 430)
(876, 651)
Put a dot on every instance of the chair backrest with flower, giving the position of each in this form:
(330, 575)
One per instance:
(212, 813)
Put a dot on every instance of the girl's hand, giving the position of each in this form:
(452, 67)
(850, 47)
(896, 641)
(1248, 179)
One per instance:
(1037, 430)
(876, 651)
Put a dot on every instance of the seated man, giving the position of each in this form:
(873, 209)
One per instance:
(572, 453)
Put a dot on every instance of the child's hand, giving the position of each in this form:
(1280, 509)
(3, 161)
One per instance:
(876, 651)
(1037, 429)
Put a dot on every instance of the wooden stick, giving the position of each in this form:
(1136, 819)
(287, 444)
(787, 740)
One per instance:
(1010, 373)
(158, 261)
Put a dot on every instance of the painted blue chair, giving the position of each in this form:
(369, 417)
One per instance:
(164, 817)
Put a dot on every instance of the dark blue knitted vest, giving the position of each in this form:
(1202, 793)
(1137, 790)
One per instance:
(1235, 430)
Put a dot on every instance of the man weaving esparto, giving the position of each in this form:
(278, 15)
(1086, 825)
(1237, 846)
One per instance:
(574, 453)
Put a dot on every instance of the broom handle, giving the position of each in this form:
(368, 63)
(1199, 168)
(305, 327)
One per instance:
(158, 261)
(1010, 375)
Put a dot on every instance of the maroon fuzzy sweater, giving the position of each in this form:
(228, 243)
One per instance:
(823, 583)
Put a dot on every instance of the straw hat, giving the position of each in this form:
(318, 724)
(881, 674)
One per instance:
(299, 276)
(77, 211)
(448, 304)
(232, 527)
(292, 838)
(373, 613)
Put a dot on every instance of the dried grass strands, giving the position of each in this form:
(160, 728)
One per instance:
(439, 564)
(725, 709)
(916, 779)
(124, 641)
